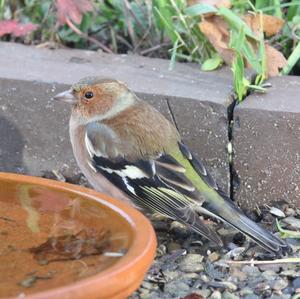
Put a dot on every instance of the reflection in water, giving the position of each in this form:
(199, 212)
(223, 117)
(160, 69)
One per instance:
(33, 216)
(50, 238)
(70, 247)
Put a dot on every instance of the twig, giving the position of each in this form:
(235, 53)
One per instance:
(141, 40)
(124, 41)
(129, 25)
(91, 39)
(253, 262)
(128, 7)
(157, 47)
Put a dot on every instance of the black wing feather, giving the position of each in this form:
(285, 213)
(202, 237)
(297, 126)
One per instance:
(153, 193)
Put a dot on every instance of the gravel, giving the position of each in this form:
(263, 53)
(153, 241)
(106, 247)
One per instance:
(192, 268)
(189, 267)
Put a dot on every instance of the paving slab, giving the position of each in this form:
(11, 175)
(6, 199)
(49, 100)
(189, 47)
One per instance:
(266, 138)
(197, 101)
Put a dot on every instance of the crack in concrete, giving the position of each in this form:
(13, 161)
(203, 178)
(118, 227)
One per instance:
(230, 115)
(233, 177)
(172, 115)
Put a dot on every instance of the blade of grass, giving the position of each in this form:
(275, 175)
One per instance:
(173, 56)
(282, 5)
(277, 9)
(212, 63)
(173, 35)
(235, 21)
(260, 78)
(286, 233)
(240, 84)
(292, 60)
(2, 2)
(293, 10)
(261, 3)
(199, 9)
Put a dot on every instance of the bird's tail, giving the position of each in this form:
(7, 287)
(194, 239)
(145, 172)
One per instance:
(232, 215)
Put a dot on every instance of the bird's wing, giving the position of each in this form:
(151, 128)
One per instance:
(157, 184)
(173, 184)
(218, 205)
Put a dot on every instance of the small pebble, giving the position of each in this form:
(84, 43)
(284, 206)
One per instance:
(147, 285)
(235, 272)
(296, 283)
(190, 276)
(246, 291)
(176, 288)
(228, 295)
(288, 290)
(179, 230)
(152, 295)
(173, 246)
(204, 278)
(235, 252)
(213, 256)
(292, 221)
(203, 292)
(279, 284)
(269, 275)
(270, 267)
(277, 212)
(225, 232)
(290, 212)
(281, 296)
(290, 273)
(216, 295)
(144, 293)
(170, 275)
(223, 285)
(161, 250)
(251, 296)
(192, 263)
(251, 271)
(262, 286)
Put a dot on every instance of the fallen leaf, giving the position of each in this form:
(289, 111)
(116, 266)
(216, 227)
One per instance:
(15, 28)
(275, 61)
(271, 25)
(216, 31)
(216, 3)
(72, 9)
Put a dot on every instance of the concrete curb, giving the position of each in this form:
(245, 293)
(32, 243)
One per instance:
(266, 138)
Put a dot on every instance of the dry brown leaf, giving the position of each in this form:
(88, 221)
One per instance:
(72, 9)
(271, 24)
(216, 3)
(15, 28)
(216, 31)
(275, 61)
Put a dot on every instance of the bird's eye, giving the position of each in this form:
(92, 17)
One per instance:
(88, 94)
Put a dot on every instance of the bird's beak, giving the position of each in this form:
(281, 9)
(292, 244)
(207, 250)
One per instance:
(66, 96)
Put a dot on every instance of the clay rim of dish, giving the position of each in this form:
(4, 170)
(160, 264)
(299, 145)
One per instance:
(140, 253)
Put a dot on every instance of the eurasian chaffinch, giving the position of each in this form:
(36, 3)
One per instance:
(127, 149)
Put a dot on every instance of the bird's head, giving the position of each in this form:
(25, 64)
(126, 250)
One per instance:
(95, 98)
